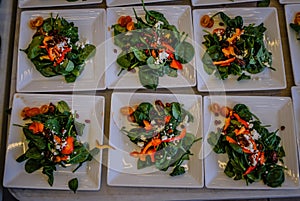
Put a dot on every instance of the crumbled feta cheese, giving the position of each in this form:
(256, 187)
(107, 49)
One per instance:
(255, 134)
(140, 144)
(164, 137)
(143, 138)
(168, 157)
(158, 24)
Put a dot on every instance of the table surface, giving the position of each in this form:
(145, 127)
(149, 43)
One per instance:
(125, 193)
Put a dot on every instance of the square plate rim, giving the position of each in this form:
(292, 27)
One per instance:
(144, 95)
(115, 9)
(101, 12)
(283, 82)
(286, 99)
(55, 96)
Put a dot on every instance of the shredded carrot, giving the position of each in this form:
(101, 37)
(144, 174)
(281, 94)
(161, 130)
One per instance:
(243, 122)
(147, 124)
(153, 53)
(168, 46)
(176, 64)
(224, 62)
(231, 140)
(228, 51)
(238, 33)
(168, 118)
(227, 123)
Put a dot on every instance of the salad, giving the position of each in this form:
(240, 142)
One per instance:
(296, 24)
(55, 48)
(160, 133)
(233, 48)
(53, 139)
(254, 153)
(154, 47)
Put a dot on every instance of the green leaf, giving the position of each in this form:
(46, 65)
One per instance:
(32, 165)
(22, 158)
(70, 66)
(296, 27)
(143, 164)
(34, 153)
(176, 110)
(48, 170)
(151, 63)
(73, 184)
(79, 127)
(139, 54)
(244, 77)
(148, 79)
(34, 49)
(87, 52)
(125, 60)
(275, 177)
(81, 155)
(53, 125)
(62, 107)
(184, 52)
(178, 170)
(263, 3)
(39, 141)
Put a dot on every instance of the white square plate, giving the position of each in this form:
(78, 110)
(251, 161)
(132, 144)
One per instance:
(122, 168)
(180, 17)
(52, 3)
(218, 2)
(90, 23)
(288, 1)
(294, 44)
(296, 103)
(265, 80)
(273, 111)
(130, 2)
(90, 110)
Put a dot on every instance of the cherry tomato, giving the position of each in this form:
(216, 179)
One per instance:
(69, 147)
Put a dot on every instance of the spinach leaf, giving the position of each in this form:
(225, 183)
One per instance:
(176, 110)
(32, 165)
(184, 52)
(37, 140)
(48, 170)
(34, 153)
(33, 49)
(148, 78)
(73, 184)
(139, 54)
(86, 53)
(178, 170)
(62, 107)
(275, 177)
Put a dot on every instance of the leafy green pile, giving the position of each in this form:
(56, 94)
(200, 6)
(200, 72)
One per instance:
(161, 133)
(54, 49)
(236, 49)
(52, 138)
(154, 47)
(252, 158)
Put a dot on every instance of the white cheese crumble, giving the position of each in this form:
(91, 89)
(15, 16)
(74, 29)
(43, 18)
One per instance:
(158, 24)
(255, 134)
(140, 144)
